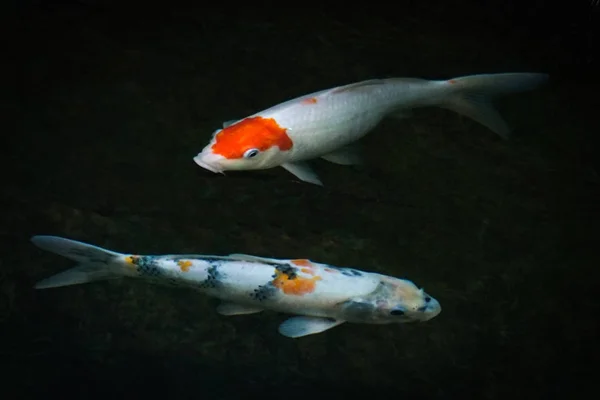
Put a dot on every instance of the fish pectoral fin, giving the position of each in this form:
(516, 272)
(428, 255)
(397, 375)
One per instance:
(296, 327)
(226, 308)
(303, 171)
(347, 155)
(230, 122)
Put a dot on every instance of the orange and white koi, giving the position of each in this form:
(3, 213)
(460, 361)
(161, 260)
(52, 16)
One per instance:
(321, 296)
(326, 124)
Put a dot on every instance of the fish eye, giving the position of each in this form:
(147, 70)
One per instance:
(396, 312)
(427, 299)
(251, 153)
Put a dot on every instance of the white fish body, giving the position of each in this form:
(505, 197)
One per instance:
(326, 124)
(323, 296)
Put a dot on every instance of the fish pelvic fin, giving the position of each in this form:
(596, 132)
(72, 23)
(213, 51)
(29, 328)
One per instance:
(94, 263)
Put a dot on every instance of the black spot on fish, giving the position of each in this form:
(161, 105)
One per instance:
(178, 257)
(350, 272)
(146, 266)
(264, 292)
(214, 276)
(291, 272)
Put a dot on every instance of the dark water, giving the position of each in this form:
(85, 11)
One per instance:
(115, 99)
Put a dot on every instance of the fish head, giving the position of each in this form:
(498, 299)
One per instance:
(249, 144)
(409, 303)
(394, 301)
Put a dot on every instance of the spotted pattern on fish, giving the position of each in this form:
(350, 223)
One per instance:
(303, 262)
(264, 292)
(268, 290)
(288, 270)
(297, 286)
(145, 266)
(184, 265)
(214, 276)
(351, 272)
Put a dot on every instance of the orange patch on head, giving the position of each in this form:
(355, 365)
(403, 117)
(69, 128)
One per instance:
(298, 286)
(311, 100)
(184, 265)
(250, 133)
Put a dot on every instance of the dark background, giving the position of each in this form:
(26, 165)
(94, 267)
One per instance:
(108, 103)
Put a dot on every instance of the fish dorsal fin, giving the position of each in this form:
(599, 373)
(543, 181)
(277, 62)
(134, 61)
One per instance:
(248, 257)
(358, 85)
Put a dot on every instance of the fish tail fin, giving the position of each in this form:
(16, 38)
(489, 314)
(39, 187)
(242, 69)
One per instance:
(471, 96)
(94, 263)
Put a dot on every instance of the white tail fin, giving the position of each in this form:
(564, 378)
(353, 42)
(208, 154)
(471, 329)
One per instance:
(471, 96)
(95, 263)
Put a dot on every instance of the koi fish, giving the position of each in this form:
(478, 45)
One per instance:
(326, 124)
(320, 296)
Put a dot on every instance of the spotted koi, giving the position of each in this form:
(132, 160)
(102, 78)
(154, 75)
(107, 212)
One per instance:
(321, 296)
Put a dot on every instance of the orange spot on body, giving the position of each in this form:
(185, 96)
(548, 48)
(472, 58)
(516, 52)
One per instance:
(333, 271)
(311, 100)
(184, 265)
(309, 268)
(297, 286)
(131, 260)
(452, 81)
(302, 263)
(251, 133)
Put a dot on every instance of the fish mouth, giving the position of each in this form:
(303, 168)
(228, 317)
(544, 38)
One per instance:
(433, 312)
(198, 160)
